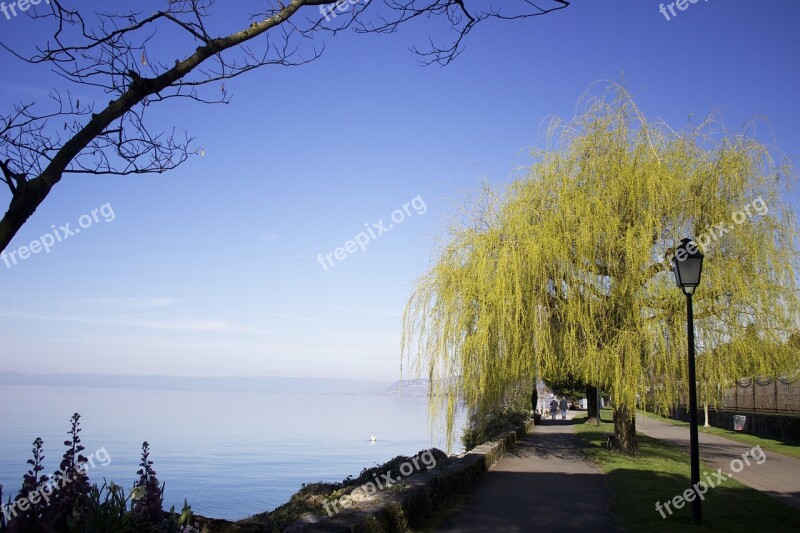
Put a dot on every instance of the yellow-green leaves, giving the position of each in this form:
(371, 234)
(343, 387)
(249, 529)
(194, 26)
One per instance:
(565, 270)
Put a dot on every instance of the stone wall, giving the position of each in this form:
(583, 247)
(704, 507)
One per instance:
(407, 504)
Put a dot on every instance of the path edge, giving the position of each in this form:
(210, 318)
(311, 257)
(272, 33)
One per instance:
(414, 499)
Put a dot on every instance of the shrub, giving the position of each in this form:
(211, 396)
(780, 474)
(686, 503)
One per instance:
(72, 504)
(495, 423)
(70, 500)
(148, 493)
(32, 517)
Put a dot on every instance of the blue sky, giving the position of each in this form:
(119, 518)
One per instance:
(212, 270)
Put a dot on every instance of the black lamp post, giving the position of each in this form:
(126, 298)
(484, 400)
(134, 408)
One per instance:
(687, 266)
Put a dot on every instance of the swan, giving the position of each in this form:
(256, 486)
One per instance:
(372, 438)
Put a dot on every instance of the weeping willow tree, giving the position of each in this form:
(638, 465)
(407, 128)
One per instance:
(567, 270)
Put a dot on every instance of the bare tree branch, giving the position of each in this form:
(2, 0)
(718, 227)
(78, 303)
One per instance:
(123, 55)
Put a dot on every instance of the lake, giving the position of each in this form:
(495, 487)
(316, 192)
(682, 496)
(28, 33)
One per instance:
(231, 454)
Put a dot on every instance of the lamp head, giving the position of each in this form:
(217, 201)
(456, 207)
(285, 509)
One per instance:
(687, 265)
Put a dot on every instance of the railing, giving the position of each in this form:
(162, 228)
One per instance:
(761, 395)
(770, 395)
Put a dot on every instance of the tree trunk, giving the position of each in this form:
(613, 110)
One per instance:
(625, 430)
(705, 412)
(592, 407)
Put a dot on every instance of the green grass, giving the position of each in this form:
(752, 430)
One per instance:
(660, 474)
(769, 445)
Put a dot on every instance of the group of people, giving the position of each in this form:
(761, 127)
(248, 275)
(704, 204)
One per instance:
(555, 406)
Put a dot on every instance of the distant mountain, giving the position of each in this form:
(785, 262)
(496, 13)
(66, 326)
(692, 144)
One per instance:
(414, 388)
(409, 387)
(222, 384)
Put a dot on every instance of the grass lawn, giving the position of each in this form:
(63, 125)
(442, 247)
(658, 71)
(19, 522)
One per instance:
(660, 474)
(769, 445)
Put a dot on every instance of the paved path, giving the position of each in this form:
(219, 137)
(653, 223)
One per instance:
(778, 475)
(543, 484)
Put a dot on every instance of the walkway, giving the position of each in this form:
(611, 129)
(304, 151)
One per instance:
(778, 475)
(543, 484)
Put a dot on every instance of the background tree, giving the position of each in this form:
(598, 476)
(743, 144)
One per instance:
(135, 57)
(751, 351)
(568, 270)
(567, 387)
(575, 389)
(714, 364)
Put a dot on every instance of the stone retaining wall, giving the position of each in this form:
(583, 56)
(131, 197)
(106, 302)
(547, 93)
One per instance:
(407, 504)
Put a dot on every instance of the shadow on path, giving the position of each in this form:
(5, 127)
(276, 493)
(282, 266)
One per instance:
(775, 474)
(559, 422)
(543, 484)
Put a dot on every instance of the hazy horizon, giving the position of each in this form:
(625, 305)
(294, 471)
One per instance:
(231, 454)
(228, 264)
(301, 384)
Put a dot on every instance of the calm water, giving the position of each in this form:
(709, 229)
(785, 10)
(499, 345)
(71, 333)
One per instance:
(230, 454)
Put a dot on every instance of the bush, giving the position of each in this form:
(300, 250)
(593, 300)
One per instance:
(495, 423)
(72, 504)
(148, 495)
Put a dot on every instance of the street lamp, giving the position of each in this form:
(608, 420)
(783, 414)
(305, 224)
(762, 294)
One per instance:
(687, 265)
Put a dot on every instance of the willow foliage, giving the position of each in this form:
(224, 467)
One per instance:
(566, 270)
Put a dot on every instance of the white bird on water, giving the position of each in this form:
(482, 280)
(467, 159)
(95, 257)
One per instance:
(372, 438)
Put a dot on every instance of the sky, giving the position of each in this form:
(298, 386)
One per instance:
(219, 267)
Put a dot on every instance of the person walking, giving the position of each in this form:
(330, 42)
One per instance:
(563, 406)
(553, 408)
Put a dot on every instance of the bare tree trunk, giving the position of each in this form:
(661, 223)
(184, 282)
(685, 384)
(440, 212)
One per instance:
(625, 430)
(705, 412)
(592, 407)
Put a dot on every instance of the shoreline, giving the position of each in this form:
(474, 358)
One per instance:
(403, 502)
